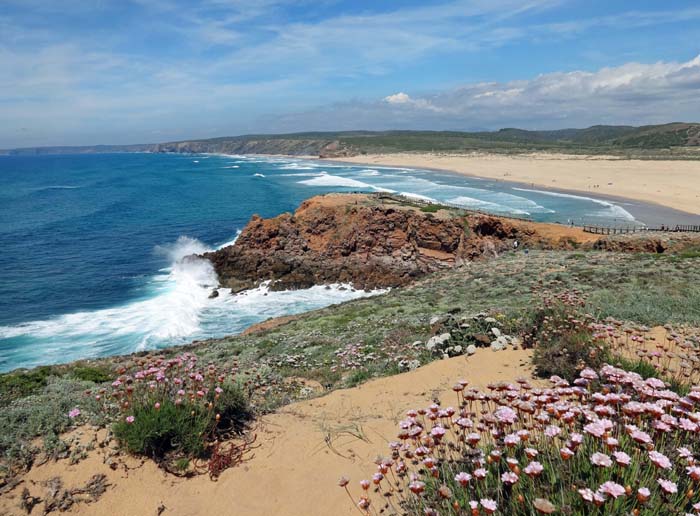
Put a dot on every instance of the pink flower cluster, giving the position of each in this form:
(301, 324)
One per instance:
(180, 380)
(626, 443)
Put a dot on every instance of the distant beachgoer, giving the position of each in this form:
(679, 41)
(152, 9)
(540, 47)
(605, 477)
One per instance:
(516, 244)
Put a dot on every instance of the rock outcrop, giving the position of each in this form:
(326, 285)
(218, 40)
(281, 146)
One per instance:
(368, 240)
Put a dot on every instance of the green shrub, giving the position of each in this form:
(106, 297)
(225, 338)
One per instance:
(182, 429)
(24, 383)
(156, 432)
(432, 208)
(92, 374)
(563, 345)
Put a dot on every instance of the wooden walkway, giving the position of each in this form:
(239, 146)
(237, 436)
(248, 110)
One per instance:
(621, 230)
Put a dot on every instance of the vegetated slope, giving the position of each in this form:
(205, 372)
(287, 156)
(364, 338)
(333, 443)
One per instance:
(595, 139)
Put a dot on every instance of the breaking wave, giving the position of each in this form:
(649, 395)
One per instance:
(176, 310)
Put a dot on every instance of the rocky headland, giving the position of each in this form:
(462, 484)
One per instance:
(372, 241)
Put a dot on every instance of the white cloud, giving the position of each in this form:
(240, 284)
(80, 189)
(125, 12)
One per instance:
(634, 93)
(398, 98)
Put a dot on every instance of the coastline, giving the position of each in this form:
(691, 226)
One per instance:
(655, 192)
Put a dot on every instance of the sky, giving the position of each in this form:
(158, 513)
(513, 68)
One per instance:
(85, 72)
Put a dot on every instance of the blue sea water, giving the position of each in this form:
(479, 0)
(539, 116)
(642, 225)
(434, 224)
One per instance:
(91, 246)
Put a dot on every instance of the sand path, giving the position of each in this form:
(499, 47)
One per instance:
(304, 449)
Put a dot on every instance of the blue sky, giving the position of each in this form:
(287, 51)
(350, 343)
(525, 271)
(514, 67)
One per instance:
(127, 71)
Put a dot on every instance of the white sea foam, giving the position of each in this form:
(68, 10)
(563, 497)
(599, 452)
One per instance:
(258, 175)
(420, 197)
(177, 310)
(297, 166)
(232, 166)
(369, 172)
(478, 204)
(58, 187)
(302, 174)
(612, 210)
(329, 180)
(230, 242)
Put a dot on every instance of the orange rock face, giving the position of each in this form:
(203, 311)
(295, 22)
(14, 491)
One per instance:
(361, 240)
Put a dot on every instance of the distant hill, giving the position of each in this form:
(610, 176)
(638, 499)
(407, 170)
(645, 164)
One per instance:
(649, 141)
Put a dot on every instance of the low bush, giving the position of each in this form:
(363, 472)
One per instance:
(562, 339)
(92, 374)
(23, 383)
(172, 410)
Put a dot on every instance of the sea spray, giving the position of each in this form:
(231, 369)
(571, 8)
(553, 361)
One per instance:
(176, 310)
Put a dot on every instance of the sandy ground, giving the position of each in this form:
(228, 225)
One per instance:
(304, 449)
(675, 184)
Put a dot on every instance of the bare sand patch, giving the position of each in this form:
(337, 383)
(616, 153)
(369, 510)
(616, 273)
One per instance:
(303, 449)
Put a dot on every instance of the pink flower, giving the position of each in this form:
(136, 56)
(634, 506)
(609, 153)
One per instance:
(566, 453)
(364, 484)
(129, 419)
(417, 486)
(595, 429)
(622, 458)
(480, 473)
(509, 478)
(659, 460)
(612, 489)
(74, 413)
(685, 453)
(643, 494)
(693, 472)
(511, 440)
(640, 437)
(586, 494)
(437, 432)
(668, 486)
(157, 406)
(589, 374)
(600, 459)
(506, 415)
(463, 478)
(531, 453)
(552, 431)
(488, 505)
(533, 469)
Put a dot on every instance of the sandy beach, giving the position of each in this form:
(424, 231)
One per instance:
(672, 183)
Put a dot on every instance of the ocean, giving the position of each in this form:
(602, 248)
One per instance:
(91, 246)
